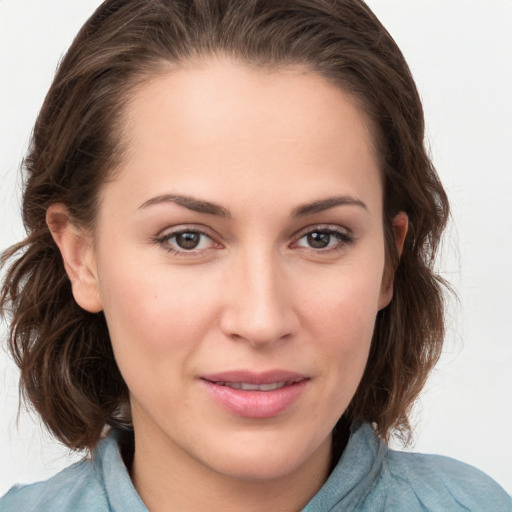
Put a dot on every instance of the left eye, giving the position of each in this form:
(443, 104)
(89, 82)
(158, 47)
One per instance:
(322, 239)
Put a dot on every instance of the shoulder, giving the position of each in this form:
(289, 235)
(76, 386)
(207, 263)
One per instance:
(438, 482)
(370, 476)
(100, 484)
(75, 488)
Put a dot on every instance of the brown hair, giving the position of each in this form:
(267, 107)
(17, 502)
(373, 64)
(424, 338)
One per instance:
(68, 370)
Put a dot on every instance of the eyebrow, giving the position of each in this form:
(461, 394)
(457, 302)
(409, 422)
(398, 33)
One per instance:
(196, 205)
(200, 206)
(326, 204)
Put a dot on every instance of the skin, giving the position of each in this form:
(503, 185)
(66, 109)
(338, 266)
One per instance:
(254, 294)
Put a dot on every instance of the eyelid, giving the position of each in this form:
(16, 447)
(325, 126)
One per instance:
(335, 228)
(183, 228)
(162, 238)
(346, 237)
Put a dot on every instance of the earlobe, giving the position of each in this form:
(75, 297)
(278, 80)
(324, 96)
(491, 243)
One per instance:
(399, 226)
(77, 253)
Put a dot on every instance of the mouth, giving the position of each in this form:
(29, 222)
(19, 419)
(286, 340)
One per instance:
(256, 395)
(247, 386)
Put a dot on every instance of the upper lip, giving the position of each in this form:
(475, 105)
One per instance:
(251, 377)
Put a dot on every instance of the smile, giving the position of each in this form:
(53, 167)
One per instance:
(246, 386)
(256, 395)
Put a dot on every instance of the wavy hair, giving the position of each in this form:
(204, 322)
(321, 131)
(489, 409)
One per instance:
(68, 370)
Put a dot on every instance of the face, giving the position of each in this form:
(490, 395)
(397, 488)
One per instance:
(239, 260)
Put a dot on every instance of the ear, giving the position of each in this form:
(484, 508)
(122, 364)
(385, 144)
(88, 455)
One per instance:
(76, 248)
(399, 226)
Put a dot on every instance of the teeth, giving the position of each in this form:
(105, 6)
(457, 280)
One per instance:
(245, 386)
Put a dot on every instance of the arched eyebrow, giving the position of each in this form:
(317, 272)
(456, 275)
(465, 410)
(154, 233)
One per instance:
(201, 206)
(325, 204)
(191, 203)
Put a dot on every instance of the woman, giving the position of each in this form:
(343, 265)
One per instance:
(232, 223)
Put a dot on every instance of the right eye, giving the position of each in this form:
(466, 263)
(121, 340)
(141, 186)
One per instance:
(186, 242)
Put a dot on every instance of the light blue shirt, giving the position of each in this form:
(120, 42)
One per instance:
(369, 477)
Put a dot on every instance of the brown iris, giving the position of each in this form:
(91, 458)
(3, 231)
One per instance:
(319, 239)
(188, 240)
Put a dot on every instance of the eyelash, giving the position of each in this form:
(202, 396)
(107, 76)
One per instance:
(343, 238)
(164, 242)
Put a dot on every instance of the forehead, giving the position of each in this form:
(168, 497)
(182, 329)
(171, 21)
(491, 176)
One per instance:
(219, 123)
(231, 94)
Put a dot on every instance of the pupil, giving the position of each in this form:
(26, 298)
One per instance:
(319, 240)
(188, 240)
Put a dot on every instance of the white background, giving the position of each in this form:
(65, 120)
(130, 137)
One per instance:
(460, 53)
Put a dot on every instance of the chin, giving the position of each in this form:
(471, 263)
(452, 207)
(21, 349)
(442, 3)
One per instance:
(263, 467)
(267, 459)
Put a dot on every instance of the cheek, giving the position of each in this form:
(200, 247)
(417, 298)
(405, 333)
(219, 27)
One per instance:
(340, 316)
(152, 316)
(350, 329)
(346, 302)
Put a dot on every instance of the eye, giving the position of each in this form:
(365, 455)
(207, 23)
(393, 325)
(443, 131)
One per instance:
(319, 239)
(324, 239)
(186, 241)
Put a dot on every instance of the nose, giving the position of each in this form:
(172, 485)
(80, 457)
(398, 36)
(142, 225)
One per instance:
(258, 306)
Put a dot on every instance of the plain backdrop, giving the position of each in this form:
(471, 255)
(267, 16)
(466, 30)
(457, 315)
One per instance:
(460, 53)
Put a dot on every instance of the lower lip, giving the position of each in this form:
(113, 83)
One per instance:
(256, 404)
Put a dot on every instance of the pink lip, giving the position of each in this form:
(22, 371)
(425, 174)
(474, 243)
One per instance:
(255, 403)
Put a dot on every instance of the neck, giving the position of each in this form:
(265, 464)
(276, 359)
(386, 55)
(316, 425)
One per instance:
(167, 478)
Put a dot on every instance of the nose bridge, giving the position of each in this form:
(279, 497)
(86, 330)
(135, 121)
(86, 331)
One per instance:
(258, 308)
